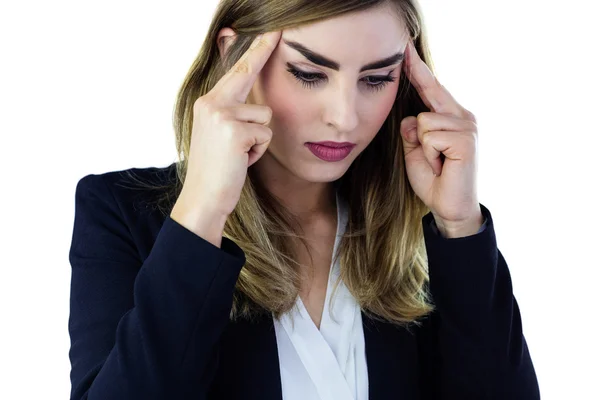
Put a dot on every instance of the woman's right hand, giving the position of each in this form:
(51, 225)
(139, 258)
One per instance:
(228, 136)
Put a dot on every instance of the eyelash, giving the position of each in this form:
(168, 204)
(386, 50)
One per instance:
(305, 79)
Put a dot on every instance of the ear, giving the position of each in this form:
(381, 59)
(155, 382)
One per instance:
(225, 37)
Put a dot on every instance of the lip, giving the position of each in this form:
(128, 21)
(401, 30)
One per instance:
(329, 152)
(335, 145)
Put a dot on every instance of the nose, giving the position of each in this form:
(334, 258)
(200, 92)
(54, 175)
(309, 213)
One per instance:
(340, 109)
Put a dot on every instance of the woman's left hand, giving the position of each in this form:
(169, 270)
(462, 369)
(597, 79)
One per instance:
(451, 130)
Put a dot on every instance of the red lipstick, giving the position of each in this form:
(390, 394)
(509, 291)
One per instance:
(331, 151)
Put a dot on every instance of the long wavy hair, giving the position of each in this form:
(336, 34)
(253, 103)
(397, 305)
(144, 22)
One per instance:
(383, 260)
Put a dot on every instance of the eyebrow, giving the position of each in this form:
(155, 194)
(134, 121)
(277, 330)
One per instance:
(319, 59)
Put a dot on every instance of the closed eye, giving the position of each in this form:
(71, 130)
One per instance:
(311, 79)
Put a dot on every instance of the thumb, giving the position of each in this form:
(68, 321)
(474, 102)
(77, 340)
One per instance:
(408, 130)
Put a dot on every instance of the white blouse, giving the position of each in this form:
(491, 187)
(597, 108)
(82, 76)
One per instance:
(330, 363)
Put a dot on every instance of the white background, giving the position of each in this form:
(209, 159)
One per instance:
(89, 87)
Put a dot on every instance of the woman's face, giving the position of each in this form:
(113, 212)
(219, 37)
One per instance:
(340, 101)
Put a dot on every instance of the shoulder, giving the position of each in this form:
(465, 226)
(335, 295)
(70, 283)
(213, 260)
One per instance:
(132, 202)
(135, 188)
(130, 178)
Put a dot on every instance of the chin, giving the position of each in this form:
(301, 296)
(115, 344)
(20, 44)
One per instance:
(322, 173)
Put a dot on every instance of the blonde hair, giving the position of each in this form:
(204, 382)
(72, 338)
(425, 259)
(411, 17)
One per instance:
(383, 260)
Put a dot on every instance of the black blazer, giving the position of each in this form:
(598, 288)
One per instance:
(150, 303)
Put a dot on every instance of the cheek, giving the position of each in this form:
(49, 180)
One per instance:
(291, 107)
(378, 110)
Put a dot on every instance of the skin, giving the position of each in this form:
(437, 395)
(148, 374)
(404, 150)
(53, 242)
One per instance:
(340, 107)
(448, 187)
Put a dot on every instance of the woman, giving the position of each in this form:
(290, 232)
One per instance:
(270, 263)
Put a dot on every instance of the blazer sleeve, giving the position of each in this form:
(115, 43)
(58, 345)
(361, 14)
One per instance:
(437, 231)
(472, 344)
(143, 329)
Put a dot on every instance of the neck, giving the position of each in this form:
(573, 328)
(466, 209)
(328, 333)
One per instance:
(307, 201)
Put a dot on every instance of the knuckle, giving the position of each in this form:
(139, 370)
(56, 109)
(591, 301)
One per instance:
(473, 126)
(228, 131)
(219, 114)
(472, 141)
(269, 111)
(199, 104)
(242, 67)
(247, 140)
(205, 105)
(422, 118)
(468, 115)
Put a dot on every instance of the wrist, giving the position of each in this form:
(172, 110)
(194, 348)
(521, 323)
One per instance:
(458, 229)
(199, 219)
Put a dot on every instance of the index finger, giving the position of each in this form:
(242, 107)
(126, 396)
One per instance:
(435, 96)
(238, 81)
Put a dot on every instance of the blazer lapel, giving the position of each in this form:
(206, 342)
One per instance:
(248, 361)
(392, 361)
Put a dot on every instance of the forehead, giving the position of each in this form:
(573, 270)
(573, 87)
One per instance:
(352, 39)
